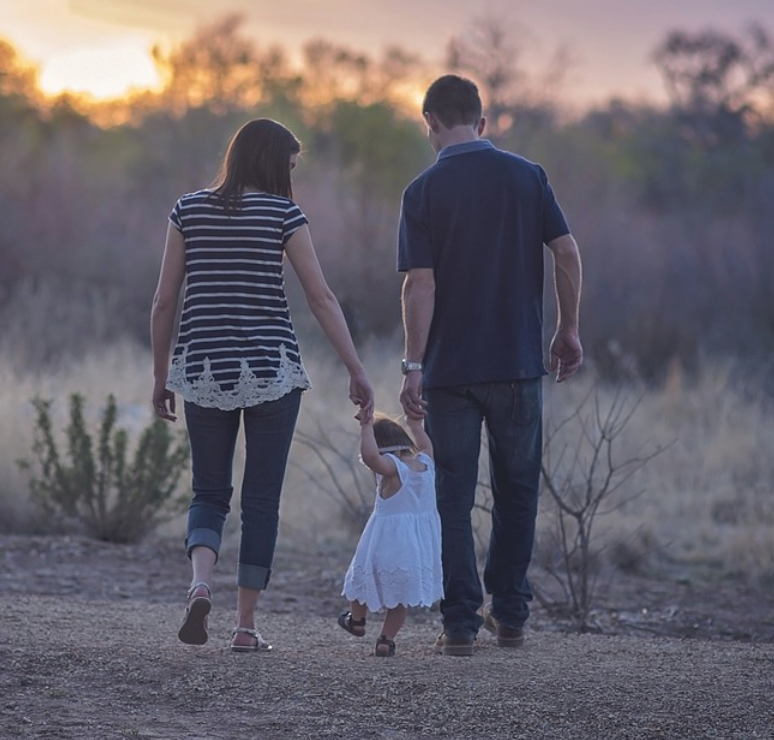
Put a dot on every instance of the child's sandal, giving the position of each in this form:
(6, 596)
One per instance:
(385, 647)
(355, 627)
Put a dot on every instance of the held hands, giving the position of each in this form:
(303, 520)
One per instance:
(415, 423)
(565, 354)
(364, 419)
(411, 396)
(362, 394)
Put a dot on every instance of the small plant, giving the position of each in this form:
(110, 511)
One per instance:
(99, 490)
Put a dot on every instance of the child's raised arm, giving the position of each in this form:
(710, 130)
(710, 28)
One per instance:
(369, 450)
(423, 442)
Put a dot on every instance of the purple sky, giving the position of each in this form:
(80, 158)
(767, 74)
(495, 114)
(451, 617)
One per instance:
(609, 41)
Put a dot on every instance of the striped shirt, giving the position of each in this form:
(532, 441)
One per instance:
(236, 346)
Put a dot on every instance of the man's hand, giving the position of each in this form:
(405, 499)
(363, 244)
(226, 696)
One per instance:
(565, 354)
(411, 395)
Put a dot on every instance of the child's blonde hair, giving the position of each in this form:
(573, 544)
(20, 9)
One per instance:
(390, 436)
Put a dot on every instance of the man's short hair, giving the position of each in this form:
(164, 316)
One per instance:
(454, 100)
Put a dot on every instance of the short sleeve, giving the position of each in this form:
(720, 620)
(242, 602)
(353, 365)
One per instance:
(414, 244)
(175, 218)
(294, 220)
(554, 221)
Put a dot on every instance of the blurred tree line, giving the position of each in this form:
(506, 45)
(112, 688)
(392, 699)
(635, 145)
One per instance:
(671, 205)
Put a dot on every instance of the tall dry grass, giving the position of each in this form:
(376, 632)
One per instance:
(705, 505)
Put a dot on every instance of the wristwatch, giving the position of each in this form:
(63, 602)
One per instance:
(409, 367)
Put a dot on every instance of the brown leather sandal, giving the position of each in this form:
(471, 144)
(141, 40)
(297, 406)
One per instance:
(193, 631)
(355, 627)
(385, 647)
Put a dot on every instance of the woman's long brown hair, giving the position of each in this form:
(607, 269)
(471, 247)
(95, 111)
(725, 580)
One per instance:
(257, 158)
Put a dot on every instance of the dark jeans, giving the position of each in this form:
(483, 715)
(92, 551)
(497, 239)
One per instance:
(213, 434)
(512, 415)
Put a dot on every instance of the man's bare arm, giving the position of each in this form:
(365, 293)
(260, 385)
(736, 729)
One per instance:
(566, 352)
(418, 303)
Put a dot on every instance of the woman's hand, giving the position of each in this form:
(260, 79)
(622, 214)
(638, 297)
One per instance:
(164, 402)
(362, 394)
(364, 419)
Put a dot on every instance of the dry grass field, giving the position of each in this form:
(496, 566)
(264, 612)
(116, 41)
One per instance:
(682, 619)
(702, 507)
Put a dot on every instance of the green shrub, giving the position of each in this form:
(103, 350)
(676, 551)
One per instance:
(97, 491)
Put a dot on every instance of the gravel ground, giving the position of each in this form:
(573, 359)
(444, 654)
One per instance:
(88, 649)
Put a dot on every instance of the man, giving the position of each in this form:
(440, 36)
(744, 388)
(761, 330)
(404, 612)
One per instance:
(472, 231)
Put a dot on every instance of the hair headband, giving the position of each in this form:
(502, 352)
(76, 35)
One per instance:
(394, 448)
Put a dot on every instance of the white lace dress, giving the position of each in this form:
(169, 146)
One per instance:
(398, 558)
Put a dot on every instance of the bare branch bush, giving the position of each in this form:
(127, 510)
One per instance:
(334, 467)
(586, 480)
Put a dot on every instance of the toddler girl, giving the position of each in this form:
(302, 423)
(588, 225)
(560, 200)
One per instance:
(397, 562)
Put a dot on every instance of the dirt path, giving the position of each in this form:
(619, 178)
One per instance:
(88, 650)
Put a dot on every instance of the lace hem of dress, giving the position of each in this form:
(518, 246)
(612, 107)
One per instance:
(249, 390)
(386, 588)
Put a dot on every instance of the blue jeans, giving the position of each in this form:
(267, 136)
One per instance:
(213, 434)
(512, 415)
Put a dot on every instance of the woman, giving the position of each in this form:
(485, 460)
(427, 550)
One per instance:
(236, 357)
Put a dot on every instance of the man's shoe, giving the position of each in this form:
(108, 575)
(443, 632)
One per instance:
(454, 644)
(509, 637)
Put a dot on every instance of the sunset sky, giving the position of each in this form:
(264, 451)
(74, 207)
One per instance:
(102, 46)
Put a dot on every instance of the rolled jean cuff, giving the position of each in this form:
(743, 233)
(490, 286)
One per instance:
(253, 576)
(203, 538)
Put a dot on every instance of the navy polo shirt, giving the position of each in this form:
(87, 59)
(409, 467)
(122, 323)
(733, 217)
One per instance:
(480, 217)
